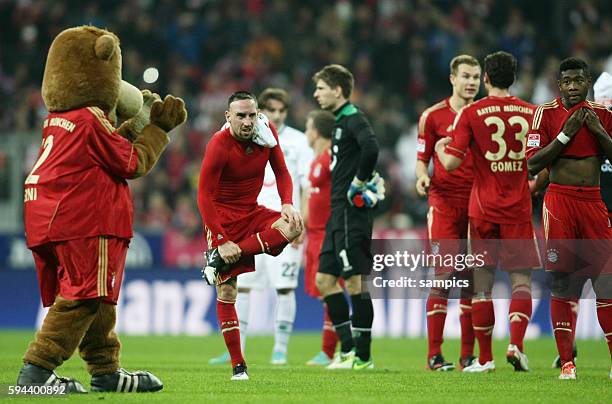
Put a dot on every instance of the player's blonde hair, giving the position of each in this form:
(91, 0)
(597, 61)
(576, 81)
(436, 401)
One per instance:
(462, 60)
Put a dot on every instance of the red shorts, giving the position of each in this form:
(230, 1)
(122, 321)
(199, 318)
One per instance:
(81, 269)
(512, 246)
(239, 225)
(576, 229)
(447, 229)
(313, 249)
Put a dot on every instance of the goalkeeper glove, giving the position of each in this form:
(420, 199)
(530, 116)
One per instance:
(366, 194)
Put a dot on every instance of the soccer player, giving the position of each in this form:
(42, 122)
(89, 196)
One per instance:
(319, 128)
(280, 272)
(447, 219)
(236, 227)
(494, 130)
(348, 234)
(569, 136)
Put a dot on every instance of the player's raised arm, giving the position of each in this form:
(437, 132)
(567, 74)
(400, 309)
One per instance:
(215, 158)
(541, 152)
(594, 124)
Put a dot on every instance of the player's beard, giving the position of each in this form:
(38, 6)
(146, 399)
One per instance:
(244, 135)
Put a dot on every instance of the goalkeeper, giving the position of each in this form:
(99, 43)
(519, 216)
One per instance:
(355, 190)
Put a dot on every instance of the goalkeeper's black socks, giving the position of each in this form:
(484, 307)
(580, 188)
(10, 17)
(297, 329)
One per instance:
(338, 310)
(363, 317)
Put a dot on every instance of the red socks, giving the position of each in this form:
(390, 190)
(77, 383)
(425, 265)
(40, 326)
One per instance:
(436, 316)
(228, 322)
(270, 241)
(483, 320)
(467, 330)
(561, 316)
(519, 314)
(330, 338)
(604, 314)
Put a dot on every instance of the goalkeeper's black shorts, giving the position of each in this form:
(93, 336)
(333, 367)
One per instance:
(346, 249)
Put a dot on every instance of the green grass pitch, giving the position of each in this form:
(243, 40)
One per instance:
(400, 376)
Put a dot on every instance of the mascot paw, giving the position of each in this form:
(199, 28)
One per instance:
(123, 381)
(142, 118)
(168, 114)
(35, 375)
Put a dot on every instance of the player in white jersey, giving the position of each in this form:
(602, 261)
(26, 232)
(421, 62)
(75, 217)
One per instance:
(280, 272)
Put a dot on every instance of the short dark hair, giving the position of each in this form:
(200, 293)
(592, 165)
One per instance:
(323, 121)
(500, 67)
(241, 95)
(573, 63)
(462, 60)
(336, 75)
(272, 93)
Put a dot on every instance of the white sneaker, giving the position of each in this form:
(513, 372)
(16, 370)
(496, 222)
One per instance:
(240, 376)
(568, 371)
(476, 367)
(342, 361)
(278, 358)
(517, 359)
(240, 372)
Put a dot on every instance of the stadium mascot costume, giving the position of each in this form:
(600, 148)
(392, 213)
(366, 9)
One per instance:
(79, 223)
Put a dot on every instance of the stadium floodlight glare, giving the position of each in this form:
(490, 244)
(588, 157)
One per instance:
(150, 75)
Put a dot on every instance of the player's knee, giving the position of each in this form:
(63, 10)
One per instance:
(603, 286)
(560, 285)
(325, 283)
(227, 292)
(354, 285)
(289, 230)
(520, 279)
(439, 292)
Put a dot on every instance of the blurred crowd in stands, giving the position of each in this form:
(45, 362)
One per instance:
(399, 51)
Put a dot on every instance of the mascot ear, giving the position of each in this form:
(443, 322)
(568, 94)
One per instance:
(105, 47)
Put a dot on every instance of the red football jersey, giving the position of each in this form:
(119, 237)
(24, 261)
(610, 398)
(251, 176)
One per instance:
(446, 187)
(319, 201)
(232, 175)
(77, 187)
(550, 118)
(495, 131)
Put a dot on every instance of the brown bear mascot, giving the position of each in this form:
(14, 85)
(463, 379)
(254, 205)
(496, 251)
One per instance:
(78, 208)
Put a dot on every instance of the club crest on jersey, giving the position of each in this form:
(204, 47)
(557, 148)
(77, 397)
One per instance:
(420, 145)
(338, 133)
(248, 150)
(533, 140)
(317, 171)
(552, 255)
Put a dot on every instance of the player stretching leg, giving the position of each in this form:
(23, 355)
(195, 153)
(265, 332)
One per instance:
(448, 194)
(494, 130)
(319, 129)
(573, 208)
(280, 272)
(236, 227)
(348, 234)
